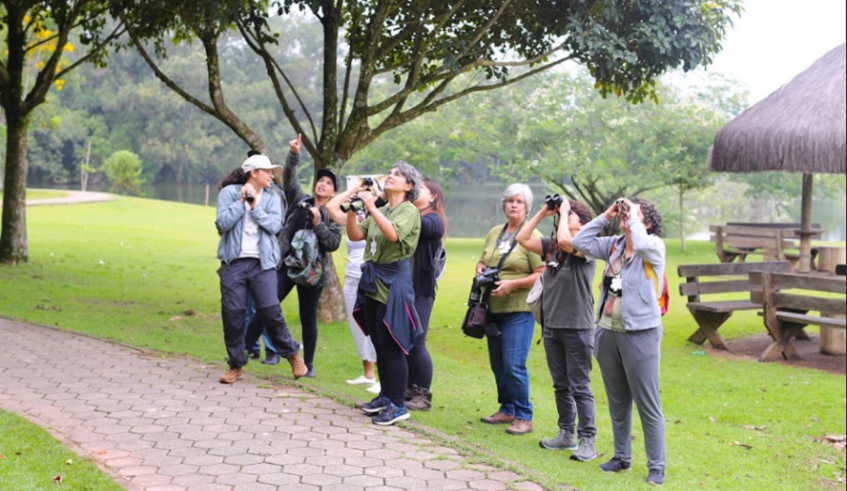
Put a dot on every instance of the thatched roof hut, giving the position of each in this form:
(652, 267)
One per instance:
(801, 127)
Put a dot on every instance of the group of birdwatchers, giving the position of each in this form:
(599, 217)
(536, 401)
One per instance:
(395, 229)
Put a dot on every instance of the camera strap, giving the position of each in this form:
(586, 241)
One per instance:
(512, 244)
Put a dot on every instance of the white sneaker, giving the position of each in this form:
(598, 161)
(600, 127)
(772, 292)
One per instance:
(362, 380)
(375, 388)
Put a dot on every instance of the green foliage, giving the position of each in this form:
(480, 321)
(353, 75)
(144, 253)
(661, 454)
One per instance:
(775, 185)
(418, 53)
(123, 169)
(130, 269)
(30, 459)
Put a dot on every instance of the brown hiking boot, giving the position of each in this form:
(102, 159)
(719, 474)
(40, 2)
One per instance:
(421, 399)
(498, 418)
(298, 366)
(231, 376)
(520, 427)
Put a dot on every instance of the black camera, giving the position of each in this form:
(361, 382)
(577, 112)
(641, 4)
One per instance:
(249, 198)
(554, 201)
(355, 204)
(487, 278)
(621, 204)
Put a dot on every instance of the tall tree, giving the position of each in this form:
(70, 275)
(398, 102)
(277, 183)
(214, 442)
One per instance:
(597, 150)
(34, 58)
(421, 49)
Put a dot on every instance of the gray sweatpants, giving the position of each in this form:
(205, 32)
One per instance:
(629, 363)
(569, 360)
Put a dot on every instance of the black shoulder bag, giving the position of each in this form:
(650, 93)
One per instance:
(476, 323)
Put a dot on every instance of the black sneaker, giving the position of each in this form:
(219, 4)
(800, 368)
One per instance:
(391, 415)
(378, 404)
(656, 477)
(615, 465)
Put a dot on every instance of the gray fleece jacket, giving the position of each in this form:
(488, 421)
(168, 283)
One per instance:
(230, 223)
(640, 303)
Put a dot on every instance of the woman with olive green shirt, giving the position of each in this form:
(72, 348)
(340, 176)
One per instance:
(507, 353)
(385, 307)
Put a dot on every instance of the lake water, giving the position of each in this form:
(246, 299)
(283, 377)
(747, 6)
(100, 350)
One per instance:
(473, 210)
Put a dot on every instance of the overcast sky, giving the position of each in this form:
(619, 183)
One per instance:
(774, 40)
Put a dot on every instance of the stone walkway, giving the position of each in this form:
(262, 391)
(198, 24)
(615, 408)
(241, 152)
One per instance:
(166, 424)
(72, 197)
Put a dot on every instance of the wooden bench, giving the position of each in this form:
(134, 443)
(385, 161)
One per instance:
(773, 241)
(708, 279)
(787, 311)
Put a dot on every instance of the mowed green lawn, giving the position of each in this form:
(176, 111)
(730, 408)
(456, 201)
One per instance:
(129, 270)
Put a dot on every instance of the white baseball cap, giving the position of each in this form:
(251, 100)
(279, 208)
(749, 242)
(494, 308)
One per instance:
(258, 161)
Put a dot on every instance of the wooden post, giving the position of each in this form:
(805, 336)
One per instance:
(83, 178)
(805, 233)
(206, 201)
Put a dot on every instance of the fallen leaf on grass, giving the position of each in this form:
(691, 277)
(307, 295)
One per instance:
(837, 441)
(745, 445)
(712, 419)
(2, 456)
(58, 479)
(175, 318)
(757, 428)
(69, 461)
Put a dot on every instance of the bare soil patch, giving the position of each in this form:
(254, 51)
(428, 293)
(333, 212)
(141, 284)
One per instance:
(750, 347)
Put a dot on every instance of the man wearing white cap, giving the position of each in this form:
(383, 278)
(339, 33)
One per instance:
(248, 219)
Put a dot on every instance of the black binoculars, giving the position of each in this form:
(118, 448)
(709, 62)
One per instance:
(249, 198)
(355, 204)
(621, 204)
(553, 201)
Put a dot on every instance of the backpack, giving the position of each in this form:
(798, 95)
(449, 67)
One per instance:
(439, 263)
(663, 297)
(304, 260)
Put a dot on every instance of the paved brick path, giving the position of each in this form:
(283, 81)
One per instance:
(166, 424)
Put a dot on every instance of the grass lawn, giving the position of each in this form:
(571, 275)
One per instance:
(130, 269)
(31, 459)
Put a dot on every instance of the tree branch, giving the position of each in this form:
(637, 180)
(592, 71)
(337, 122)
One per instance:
(272, 67)
(119, 31)
(164, 78)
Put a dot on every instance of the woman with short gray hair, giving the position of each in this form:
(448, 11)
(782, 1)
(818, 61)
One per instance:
(516, 271)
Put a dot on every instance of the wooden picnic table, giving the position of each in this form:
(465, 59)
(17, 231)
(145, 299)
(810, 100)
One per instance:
(793, 301)
(774, 241)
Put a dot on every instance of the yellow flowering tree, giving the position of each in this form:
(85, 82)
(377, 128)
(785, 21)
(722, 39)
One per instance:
(37, 54)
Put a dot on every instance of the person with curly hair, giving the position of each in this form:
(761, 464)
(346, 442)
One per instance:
(249, 216)
(567, 324)
(628, 339)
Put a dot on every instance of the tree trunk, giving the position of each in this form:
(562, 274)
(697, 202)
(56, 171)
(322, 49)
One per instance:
(331, 306)
(13, 240)
(682, 220)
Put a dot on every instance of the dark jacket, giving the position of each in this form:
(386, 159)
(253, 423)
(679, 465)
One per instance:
(401, 318)
(328, 232)
(423, 278)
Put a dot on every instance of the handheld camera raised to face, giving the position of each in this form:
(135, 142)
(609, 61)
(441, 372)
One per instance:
(370, 182)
